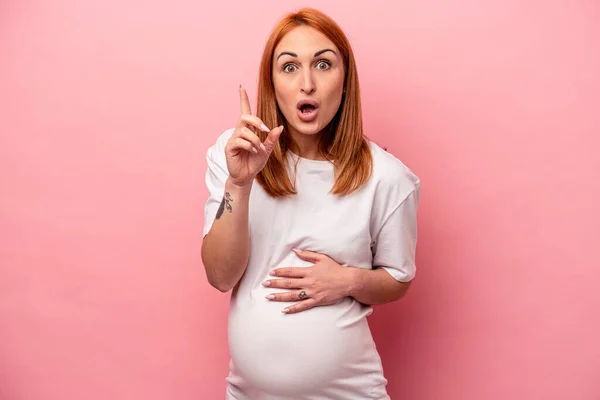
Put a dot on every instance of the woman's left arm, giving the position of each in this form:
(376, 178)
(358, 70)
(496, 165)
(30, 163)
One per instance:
(375, 286)
(327, 282)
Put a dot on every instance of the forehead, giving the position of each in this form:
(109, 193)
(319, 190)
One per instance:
(304, 41)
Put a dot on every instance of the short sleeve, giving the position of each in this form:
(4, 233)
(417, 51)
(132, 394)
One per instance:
(216, 176)
(394, 246)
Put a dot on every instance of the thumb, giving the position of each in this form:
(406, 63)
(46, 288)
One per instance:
(308, 255)
(272, 138)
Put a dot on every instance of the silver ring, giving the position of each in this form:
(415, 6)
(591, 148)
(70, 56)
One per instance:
(302, 294)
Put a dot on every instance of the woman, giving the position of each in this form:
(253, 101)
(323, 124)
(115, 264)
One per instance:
(308, 222)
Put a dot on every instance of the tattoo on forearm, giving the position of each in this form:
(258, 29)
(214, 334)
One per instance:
(225, 203)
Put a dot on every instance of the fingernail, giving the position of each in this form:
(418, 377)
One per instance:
(264, 128)
(270, 296)
(266, 283)
(297, 251)
(272, 273)
(254, 150)
(285, 311)
(262, 146)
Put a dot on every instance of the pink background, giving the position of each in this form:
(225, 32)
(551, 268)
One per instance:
(107, 109)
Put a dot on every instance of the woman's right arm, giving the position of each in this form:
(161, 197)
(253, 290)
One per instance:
(226, 246)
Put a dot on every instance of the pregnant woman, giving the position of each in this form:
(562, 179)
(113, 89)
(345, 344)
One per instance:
(308, 222)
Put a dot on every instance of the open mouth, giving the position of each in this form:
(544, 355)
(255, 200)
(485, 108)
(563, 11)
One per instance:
(307, 110)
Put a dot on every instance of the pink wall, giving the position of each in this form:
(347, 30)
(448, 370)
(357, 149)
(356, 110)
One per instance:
(106, 111)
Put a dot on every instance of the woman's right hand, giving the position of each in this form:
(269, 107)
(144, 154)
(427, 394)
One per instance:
(246, 155)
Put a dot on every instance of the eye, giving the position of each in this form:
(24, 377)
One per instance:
(323, 65)
(289, 68)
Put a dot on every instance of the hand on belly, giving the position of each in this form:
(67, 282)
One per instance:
(324, 283)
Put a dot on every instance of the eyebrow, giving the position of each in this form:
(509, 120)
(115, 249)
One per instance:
(317, 54)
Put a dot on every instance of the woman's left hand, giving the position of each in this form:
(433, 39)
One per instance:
(324, 283)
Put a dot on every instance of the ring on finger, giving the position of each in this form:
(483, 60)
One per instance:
(302, 294)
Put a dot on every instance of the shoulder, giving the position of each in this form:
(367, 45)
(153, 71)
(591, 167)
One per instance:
(391, 175)
(221, 141)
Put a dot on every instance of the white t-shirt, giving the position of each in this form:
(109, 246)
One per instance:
(326, 352)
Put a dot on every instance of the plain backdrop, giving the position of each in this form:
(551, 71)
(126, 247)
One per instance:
(107, 109)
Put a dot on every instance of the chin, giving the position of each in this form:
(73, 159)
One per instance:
(312, 128)
(309, 131)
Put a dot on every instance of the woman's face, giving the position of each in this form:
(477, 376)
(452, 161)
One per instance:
(308, 75)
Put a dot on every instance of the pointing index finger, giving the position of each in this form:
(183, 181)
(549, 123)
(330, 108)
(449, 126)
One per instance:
(244, 101)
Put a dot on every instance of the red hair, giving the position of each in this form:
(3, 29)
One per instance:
(343, 140)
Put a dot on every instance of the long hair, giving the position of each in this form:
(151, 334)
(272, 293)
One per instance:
(342, 141)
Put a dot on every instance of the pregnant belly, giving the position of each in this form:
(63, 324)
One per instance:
(284, 354)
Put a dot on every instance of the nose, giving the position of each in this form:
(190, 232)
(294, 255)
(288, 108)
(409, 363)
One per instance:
(308, 84)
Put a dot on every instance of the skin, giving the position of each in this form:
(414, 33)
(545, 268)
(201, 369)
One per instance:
(226, 248)
(297, 74)
(327, 282)
(307, 65)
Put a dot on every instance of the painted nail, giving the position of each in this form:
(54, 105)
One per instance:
(262, 146)
(254, 150)
(297, 251)
(264, 128)
(266, 283)
(285, 311)
(270, 296)
(272, 273)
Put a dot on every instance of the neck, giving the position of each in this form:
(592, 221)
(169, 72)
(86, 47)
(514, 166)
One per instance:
(306, 146)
